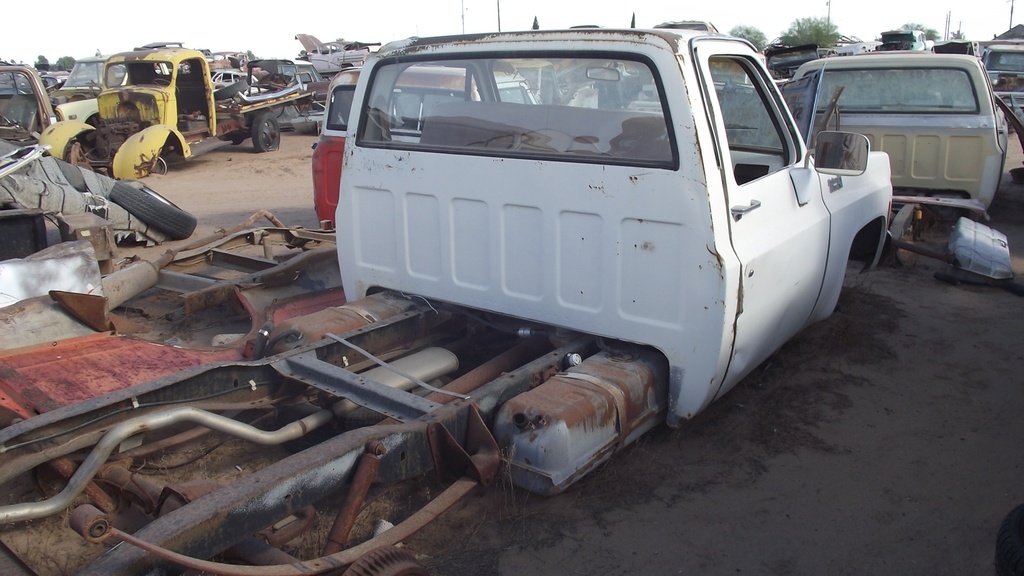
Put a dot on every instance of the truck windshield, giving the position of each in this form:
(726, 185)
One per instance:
(583, 109)
(140, 73)
(901, 91)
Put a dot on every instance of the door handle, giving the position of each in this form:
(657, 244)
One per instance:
(739, 211)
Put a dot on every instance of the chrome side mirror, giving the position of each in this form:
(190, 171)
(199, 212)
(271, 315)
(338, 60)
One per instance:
(841, 153)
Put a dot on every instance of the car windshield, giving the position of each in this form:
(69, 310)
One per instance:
(85, 75)
(900, 91)
(15, 83)
(1005, 61)
(587, 109)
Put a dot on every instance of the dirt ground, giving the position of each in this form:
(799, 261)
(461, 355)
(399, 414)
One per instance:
(888, 439)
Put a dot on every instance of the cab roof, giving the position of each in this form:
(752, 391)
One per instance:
(673, 39)
(163, 53)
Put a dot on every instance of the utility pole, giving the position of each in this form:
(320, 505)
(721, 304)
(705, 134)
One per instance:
(499, 15)
(828, 17)
(463, 16)
(1011, 14)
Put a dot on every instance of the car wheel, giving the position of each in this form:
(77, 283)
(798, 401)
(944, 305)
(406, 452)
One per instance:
(1010, 544)
(153, 209)
(266, 134)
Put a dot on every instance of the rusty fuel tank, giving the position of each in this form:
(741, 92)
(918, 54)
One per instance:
(565, 427)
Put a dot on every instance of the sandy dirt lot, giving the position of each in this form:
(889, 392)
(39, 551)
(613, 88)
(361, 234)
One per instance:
(888, 439)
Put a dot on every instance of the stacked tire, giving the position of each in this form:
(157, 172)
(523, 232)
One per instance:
(1010, 544)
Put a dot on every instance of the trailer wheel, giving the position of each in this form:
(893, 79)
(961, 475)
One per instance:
(386, 561)
(266, 134)
(1010, 544)
(153, 209)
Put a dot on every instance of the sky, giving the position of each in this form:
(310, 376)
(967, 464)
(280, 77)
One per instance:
(268, 29)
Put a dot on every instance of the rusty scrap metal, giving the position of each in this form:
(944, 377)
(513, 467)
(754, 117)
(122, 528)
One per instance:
(290, 528)
(65, 468)
(95, 527)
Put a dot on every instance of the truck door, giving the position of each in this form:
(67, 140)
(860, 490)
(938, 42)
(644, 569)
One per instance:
(779, 225)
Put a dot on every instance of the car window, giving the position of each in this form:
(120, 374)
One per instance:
(338, 107)
(750, 121)
(602, 110)
(900, 91)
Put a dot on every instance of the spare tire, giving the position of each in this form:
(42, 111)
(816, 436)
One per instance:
(153, 209)
(231, 90)
(1010, 544)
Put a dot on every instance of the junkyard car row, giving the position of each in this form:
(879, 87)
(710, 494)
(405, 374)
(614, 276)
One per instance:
(541, 246)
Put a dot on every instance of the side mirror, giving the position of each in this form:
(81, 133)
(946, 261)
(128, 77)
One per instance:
(841, 153)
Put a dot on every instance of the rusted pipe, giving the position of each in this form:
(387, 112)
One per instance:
(66, 469)
(112, 439)
(366, 471)
(129, 282)
(924, 251)
(238, 228)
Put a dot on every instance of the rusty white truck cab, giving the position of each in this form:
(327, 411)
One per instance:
(654, 190)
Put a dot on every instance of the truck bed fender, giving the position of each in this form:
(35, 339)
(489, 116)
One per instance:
(139, 155)
(59, 136)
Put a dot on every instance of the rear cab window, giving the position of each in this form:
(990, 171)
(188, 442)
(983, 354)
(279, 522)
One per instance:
(557, 106)
(901, 91)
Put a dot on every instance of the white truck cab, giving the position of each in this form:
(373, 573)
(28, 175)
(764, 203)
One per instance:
(655, 190)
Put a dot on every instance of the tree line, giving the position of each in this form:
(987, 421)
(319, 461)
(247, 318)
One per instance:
(819, 31)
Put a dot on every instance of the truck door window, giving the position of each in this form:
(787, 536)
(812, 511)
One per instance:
(757, 144)
(600, 110)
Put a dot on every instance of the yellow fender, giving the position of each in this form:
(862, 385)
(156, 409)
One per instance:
(139, 155)
(60, 135)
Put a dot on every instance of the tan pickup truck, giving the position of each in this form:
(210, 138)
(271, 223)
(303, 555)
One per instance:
(933, 114)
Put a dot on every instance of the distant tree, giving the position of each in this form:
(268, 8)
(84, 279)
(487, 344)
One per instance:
(536, 24)
(929, 33)
(42, 60)
(250, 56)
(751, 34)
(302, 55)
(632, 23)
(820, 31)
(958, 35)
(65, 63)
